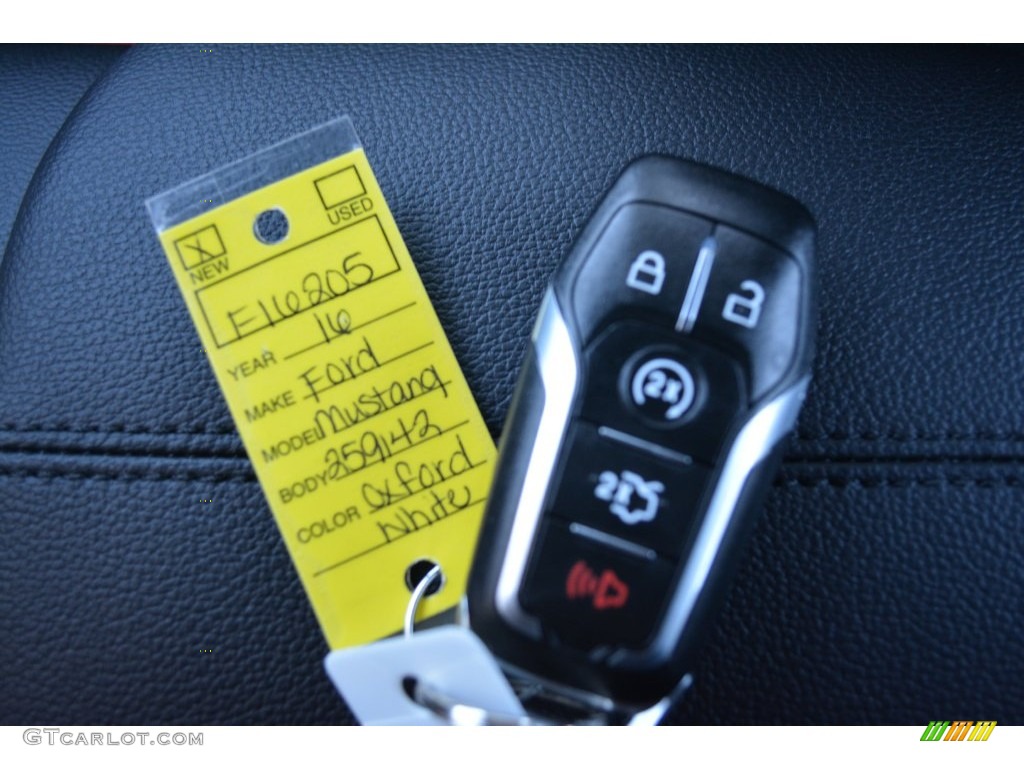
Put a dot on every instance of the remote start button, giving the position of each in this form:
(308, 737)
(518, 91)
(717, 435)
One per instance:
(661, 388)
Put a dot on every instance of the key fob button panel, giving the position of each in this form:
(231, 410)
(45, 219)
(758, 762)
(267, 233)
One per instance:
(669, 361)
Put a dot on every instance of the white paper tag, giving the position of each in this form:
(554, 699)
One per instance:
(452, 660)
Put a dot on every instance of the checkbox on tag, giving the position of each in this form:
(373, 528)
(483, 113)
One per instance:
(340, 187)
(200, 247)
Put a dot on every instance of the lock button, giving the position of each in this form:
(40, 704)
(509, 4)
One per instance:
(639, 267)
(752, 305)
(647, 273)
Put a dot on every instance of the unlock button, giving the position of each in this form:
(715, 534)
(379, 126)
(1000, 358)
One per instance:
(752, 304)
(744, 308)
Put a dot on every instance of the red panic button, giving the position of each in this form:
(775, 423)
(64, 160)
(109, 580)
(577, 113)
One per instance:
(606, 590)
(588, 594)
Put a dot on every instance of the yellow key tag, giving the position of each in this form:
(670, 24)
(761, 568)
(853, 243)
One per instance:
(360, 426)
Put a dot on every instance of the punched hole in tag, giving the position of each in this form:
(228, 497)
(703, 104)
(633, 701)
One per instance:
(420, 570)
(271, 226)
(424, 577)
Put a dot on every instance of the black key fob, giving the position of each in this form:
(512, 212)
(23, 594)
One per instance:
(669, 360)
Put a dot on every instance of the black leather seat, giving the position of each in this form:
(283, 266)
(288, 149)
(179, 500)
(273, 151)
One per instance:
(39, 85)
(884, 584)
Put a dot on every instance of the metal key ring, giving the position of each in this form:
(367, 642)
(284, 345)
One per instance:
(457, 713)
(450, 709)
(436, 701)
